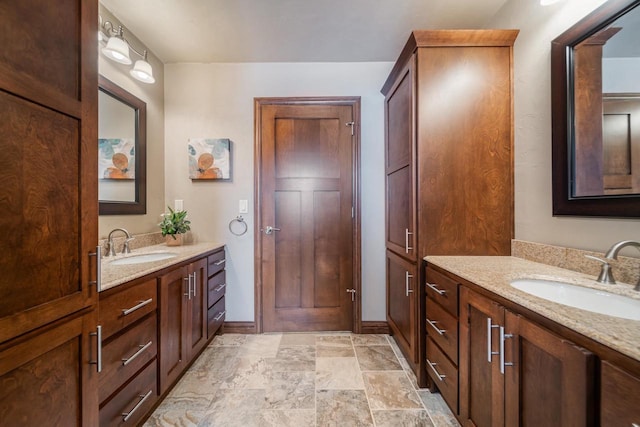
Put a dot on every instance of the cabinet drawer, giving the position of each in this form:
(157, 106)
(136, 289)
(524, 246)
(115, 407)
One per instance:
(217, 286)
(135, 399)
(126, 354)
(122, 308)
(442, 290)
(215, 316)
(442, 327)
(443, 373)
(619, 397)
(215, 262)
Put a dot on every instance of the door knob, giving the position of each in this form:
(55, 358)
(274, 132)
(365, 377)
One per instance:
(269, 229)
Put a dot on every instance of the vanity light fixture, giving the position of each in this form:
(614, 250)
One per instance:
(117, 49)
(548, 2)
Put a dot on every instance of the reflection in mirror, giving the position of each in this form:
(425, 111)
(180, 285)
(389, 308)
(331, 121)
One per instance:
(121, 151)
(607, 110)
(595, 89)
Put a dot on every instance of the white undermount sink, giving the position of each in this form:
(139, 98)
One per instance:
(593, 300)
(142, 258)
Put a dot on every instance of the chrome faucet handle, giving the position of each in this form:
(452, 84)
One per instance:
(125, 247)
(606, 274)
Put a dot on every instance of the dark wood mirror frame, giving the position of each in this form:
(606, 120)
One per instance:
(139, 206)
(563, 128)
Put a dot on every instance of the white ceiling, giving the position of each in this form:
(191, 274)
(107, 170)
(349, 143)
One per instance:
(290, 30)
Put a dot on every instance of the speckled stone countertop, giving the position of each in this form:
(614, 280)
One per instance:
(114, 275)
(494, 273)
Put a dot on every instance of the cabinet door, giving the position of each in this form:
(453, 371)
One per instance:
(400, 173)
(173, 326)
(49, 200)
(619, 394)
(550, 381)
(197, 312)
(481, 383)
(401, 303)
(47, 380)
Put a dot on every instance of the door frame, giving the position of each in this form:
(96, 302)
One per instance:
(259, 103)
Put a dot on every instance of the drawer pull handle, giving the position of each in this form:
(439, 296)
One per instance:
(98, 361)
(136, 307)
(143, 398)
(503, 337)
(435, 288)
(407, 278)
(125, 362)
(219, 288)
(433, 368)
(222, 261)
(407, 233)
(432, 323)
(219, 316)
(490, 352)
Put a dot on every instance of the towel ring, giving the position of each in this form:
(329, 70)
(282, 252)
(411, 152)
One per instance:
(240, 220)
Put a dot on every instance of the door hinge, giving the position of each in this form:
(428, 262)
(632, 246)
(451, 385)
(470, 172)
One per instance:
(353, 213)
(353, 294)
(352, 124)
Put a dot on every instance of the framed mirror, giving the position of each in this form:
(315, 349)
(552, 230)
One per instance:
(595, 87)
(122, 133)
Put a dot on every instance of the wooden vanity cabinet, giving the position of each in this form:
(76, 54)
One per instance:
(183, 319)
(217, 287)
(441, 311)
(401, 305)
(448, 161)
(514, 372)
(128, 318)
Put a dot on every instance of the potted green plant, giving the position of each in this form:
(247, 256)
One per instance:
(174, 224)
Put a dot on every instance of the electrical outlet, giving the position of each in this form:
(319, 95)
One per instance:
(178, 205)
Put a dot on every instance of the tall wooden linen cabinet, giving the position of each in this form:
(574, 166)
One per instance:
(49, 204)
(449, 166)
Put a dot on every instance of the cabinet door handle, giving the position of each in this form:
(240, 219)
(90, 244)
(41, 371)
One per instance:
(407, 233)
(125, 362)
(98, 281)
(436, 289)
(188, 280)
(220, 287)
(503, 337)
(435, 371)
(219, 316)
(407, 277)
(136, 307)
(143, 398)
(432, 323)
(98, 361)
(222, 261)
(490, 351)
(194, 283)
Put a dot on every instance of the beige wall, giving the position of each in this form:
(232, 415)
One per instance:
(153, 95)
(533, 211)
(216, 101)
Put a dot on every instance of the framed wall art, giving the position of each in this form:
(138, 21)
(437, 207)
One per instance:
(209, 159)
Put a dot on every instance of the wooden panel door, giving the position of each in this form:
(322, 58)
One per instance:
(46, 379)
(48, 179)
(400, 171)
(173, 326)
(401, 303)
(197, 311)
(307, 198)
(550, 381)
(481, 383)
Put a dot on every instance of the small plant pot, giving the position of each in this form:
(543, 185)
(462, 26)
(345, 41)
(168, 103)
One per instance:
(171, 241)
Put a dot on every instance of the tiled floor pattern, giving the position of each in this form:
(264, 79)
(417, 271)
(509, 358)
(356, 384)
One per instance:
(301, 380)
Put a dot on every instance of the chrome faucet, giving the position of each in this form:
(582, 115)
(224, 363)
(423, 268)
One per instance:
(606, 274)
(111, 250)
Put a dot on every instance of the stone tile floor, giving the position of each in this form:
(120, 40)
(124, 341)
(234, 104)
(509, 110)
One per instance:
(298, 380)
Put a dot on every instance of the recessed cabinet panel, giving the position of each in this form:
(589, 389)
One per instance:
(401, 290)
(619, 397)
(400, 213)
(400, 121)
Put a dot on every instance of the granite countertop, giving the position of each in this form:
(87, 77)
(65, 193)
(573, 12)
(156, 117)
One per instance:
(495, 272)
(114, 275)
